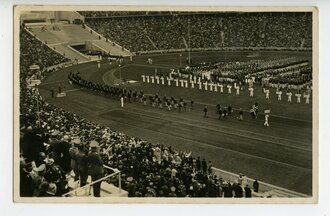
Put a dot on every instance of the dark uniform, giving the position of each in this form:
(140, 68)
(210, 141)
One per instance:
(82, 160)
(205, 112)
(61, 155)
(248, 192)
(55, 174)
(230, 110)
(95, 167)
(256, 186)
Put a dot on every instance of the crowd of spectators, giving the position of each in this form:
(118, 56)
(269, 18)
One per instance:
(33, 52)
(147, 170)
(100, 14)
(47, 133)
(206, 30)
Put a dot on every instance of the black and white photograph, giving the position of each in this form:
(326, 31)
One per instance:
(118, 104)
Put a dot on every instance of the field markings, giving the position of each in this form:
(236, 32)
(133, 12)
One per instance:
(218, 147)
(73, 90)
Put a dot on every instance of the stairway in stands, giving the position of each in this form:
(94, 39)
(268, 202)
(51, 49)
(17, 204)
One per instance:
(61, 36)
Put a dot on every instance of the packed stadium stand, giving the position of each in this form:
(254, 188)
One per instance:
(146, 169)
(207, 30)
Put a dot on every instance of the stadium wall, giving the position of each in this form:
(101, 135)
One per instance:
(226, 49)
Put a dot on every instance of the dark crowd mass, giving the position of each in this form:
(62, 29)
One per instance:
(206, 30)
(283, 73)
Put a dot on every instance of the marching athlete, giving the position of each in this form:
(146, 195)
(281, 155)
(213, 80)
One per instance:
(205, 112)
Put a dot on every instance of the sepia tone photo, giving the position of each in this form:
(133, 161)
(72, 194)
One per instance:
(118, 104)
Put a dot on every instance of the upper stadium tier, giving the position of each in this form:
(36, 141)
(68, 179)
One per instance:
(145, 31)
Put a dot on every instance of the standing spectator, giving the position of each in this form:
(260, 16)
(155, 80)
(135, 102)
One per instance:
(82, 165)
(204, 166)
(95, 167)
(238, 190)
(26, 183)
(73, 154)
(61, 154)
(198, 164)
(256, 186)
(209, 167)
(248, 192)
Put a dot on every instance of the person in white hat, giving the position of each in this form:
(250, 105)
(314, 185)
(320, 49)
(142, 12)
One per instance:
(95, 167)
(38, 178)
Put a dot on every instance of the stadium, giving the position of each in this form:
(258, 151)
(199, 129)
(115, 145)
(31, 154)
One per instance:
(165, 104)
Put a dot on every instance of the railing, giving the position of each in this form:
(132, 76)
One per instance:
(87, 187)
(264, 188)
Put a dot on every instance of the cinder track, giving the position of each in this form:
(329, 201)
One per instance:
(280, 155)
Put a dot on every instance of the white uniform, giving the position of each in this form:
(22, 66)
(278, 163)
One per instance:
(221, 88)
(298, 97)
(267, 94)
(289, 94)
(266, 120)
(279, 95)
(307, 99)
(122, 102)
(251, 92)
(237, 90)
(229, 89)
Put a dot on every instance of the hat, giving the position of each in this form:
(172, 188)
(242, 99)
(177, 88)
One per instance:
(49, 161)
(94, 144)
(129, 179)
(41, 168)
(76, 141)
(173, 189)
(55, 133)
(66, 137)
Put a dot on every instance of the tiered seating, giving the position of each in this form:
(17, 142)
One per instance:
(208, 30)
